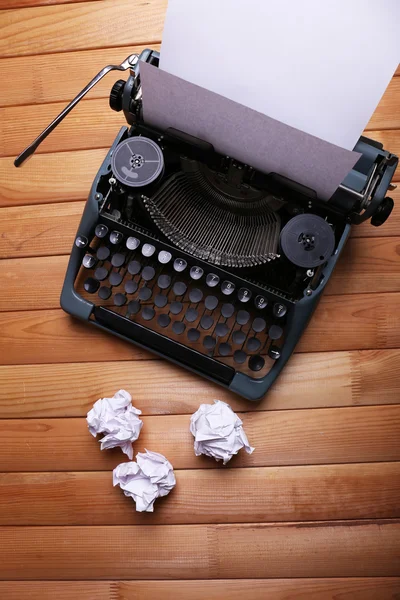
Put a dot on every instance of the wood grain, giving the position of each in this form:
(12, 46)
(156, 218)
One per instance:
(82, 26)
(290, 437)
(355, 588)
(52, 336)
(387, 113)
(329, 492)
(317, 380)
(13, 4)
(201, 551)
(74, 70)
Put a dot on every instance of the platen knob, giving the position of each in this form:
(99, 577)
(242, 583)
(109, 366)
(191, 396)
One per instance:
(116, 95)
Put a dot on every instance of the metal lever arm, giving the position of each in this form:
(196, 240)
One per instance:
(128, 63)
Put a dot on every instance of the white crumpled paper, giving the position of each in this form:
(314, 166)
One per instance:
(218, 432)
(117, 418)
(151, 477)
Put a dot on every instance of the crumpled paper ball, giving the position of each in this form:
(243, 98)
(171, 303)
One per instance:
(150, 477)
(218, 432)
(118, 419)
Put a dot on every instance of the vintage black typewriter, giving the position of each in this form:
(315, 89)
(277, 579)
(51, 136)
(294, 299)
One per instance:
(201, 259)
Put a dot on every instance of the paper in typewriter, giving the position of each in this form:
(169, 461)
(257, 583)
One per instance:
(243, 133)
(318, 65)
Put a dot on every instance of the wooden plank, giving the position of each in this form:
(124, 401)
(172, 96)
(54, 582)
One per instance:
(390, 139)
(318, 380)
(40, 230)
(374, 318)
(329, 492)
(41, 180)
(74, 69)
(13, 4)
(315, 436)
(82, 26)
(355, 588)
(366, 265)
(387, 113)
(201, 551)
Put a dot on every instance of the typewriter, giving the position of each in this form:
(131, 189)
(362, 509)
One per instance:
(201, 259)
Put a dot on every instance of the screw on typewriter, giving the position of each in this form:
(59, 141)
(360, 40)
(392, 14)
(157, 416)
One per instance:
(200, 258)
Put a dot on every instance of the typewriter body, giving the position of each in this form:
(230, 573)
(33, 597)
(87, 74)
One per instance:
(204, 260)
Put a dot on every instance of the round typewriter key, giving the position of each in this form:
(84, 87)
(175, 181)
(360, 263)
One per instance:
(104, 292)
(224, 349)
(101, 230)
(81, 241)
(256, 362)
(195, 295)
(206, 322)
(91, 285)
(134, 267)
(164, 281)
(180, 265)
(275, 332)
(131, 286)
(193, 335)
(253, 344)
(148, 273)
(238, 337)
(118, 260)
(279, 310)
(148, 313)
(244, 295)
(196, 272)
(260, 302)
(103, 253)
(227, 310)
(164, 257)
(274, 353)
(227, 288)
(221, 330)
(160, 300)
(144, 293)
(88, 261)
(116, 237)
(132, 243)
(176, 307)
(191, 315)
(148, 250)
(163, 320)
(133, 307)
(212, 280)
(115, 278)
(209, 342)
(239, 356)
(101, 273)
(259, 324)
(119, 299)
(179, 288)
(242, 317)
(178, 327)
(211, 302)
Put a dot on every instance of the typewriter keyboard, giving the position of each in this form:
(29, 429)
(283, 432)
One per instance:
(192, 302)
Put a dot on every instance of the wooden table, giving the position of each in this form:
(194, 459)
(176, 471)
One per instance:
(312, 514)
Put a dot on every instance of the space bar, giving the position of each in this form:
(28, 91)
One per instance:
(164, 346)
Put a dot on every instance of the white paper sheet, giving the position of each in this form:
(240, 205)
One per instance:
(151, 477)
(118, 419)
(319, 66)
(218, 432)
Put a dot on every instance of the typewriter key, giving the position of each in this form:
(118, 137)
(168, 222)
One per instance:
(211, 302)
(256, 362)
(224, 349)
(163, 320)
(134, 267)
(279, 310)
(221, 330)
(119, 299)
(244, 295)
(88, 261)
(144, 293)
(133, 307)
(180, 264)
(179, 288)
(104, 292)
(195, 295)
(178, 327)
(101, 273)
(193, 335)
(91, 285)
(191, 315)
(115, 278)
(260, 302)
(209, 342)
(131, 286)
(238, 337)
(160, 300)
(239, 356)
(212, 280)
(259, 324)
(103, 253)
(253, 344)
(274, 353)
(101, 230)
(81, 241)
(116, 237)
(206, 322)
(137, 161)
(148, 273)
(148, 313)
(227, 310)
(148, 250)
(275, 332)
(227, 288)
(132, 243)
(164, 257)
(196, 272)
(117, 260)
(164, 281)
(242, 317)
(176, 307)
